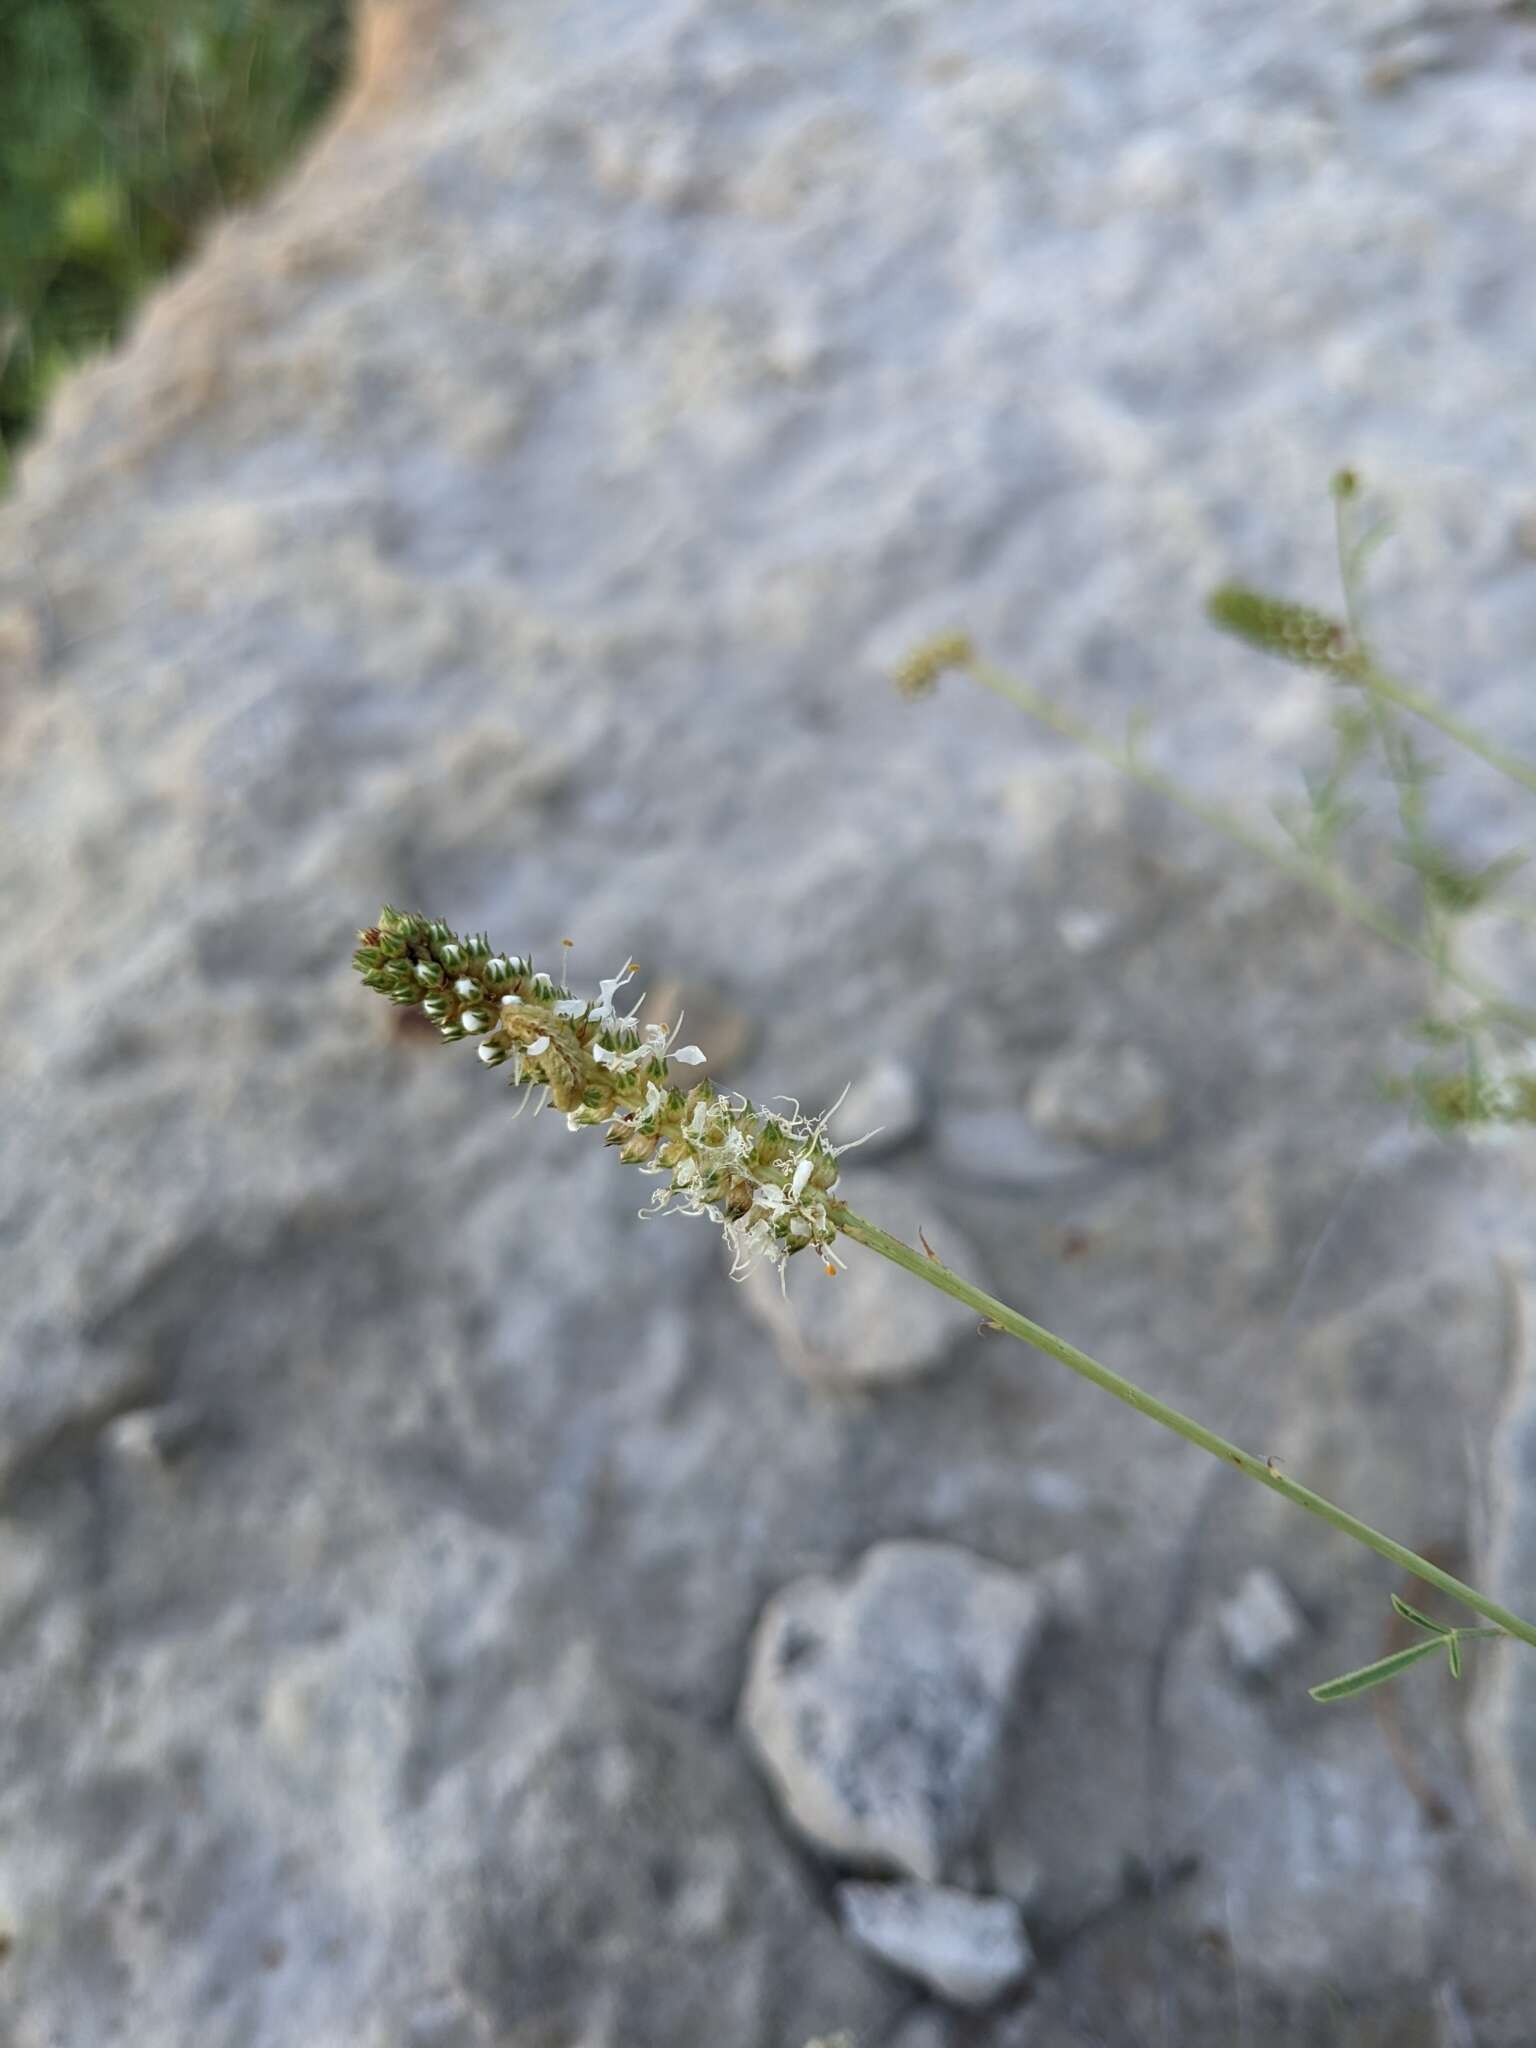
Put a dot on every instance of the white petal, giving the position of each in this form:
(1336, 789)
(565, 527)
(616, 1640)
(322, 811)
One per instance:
(539, 1045)
(690, 1056)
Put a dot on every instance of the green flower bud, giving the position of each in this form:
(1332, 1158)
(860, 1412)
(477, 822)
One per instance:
(922, 669)
(1294, 632)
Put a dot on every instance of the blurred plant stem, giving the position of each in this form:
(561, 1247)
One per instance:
(1308, 870)
(926, 1266)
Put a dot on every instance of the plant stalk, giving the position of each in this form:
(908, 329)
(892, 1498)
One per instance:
(1310, 873)
(1381, 684)
(937, 1274)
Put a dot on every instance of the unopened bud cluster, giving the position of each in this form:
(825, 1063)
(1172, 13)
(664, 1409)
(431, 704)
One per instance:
(765, 1178)
(1294, 632)
(926, 665)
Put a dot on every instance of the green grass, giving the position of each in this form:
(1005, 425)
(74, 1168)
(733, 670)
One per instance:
(123, 125)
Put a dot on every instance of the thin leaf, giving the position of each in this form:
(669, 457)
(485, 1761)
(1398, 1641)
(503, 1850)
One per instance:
(1453, 1651)
(1374, 1674)
(1419, 1620)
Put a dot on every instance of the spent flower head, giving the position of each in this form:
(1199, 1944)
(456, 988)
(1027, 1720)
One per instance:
(767, 1178)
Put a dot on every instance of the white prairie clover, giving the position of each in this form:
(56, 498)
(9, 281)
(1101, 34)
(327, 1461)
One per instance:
(765, 1177)
(770, 1181)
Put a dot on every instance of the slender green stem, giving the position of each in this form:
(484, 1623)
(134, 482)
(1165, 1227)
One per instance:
(1308, 872)
(1396, 746)
(939, 1275)
(1380, 684)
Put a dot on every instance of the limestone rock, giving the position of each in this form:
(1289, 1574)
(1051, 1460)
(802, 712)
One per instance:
(511, 518)
(590, 1853)
(876, 1703)
(968, 1950)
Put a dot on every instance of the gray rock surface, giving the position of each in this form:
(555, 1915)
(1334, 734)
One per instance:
(877, 1703)
(882, 1110)
(1112, 1097)
(967, 1950)
(518, 517)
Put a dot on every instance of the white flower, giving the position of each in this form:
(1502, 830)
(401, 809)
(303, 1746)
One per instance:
(651, 1046)
(603, 1009)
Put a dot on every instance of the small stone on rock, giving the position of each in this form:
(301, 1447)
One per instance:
(878, 1702)
(1260, 1625)
(885, 1102)
(1112, 1097)
(153, 1436)
(967, 1950)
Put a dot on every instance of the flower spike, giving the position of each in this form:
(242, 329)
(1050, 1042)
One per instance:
(766, 1179)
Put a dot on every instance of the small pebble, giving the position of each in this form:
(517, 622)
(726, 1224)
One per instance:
(967, 1950)
(1260, 1625)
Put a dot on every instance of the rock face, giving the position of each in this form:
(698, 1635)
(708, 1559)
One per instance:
(518, 519)
(877, 1704)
